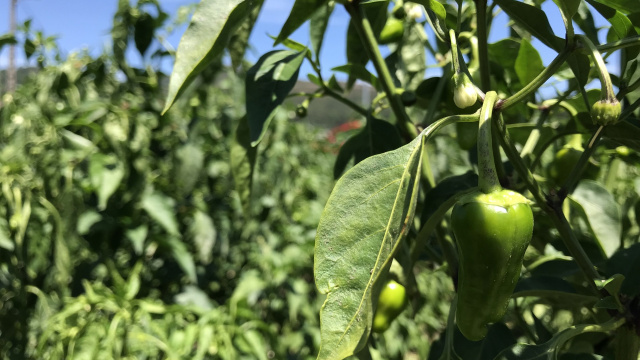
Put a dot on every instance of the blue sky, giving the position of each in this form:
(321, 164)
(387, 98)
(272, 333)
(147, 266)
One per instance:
(85, 24)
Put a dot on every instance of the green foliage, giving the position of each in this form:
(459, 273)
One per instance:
(143, 216)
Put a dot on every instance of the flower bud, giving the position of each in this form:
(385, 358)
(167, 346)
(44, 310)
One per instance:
(464, 94)
(606, 112)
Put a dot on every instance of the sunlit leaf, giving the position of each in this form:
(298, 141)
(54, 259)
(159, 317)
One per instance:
(367, 214)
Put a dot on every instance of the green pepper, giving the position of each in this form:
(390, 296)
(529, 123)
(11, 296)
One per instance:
(492, 233)
(392, 31)
(392, 301)
(493, 228)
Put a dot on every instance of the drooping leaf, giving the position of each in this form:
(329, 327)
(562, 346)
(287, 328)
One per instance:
(367, 214)
(528, 64)
(624, 6)
(143, 32)
(602, 214)
(301, 12)
(318, 26)
(499, 337)
(268, 83)
(242, 157)
(5, 236)
(620, 24)
(204, 41)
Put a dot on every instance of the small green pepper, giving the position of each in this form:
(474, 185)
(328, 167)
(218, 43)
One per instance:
(392, 301)
(492, 232)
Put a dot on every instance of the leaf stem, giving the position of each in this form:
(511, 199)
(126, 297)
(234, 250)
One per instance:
(617, 45)
(488, 181)
(605, 79)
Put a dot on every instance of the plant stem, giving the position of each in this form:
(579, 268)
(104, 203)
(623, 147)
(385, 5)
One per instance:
(362, 111)
(454, 52)
(488, 181)
(537, 82)
(365, 31)
(616, 45)
(605, 79)
(483, 49)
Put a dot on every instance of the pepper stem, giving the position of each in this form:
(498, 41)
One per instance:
(488, 177)
(607, 92)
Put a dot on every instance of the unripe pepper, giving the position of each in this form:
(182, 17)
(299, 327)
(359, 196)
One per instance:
(492, 232)
(392, 301)
(493, 228)
(566, 159)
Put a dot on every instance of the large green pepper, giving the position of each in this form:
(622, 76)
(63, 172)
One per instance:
(493, 228)
(492, 232)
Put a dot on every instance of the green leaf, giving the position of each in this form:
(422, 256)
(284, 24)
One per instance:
(435, 6)
(188, 163)
(533, 20)
(242, 157)
(143, 30)
(137, 237)
(181, 254)
(7, 39)
(625, 132)
(528, 64)
(5, 236)
(627, 263)
(620, 24)
(106, 172)
(161, 209)
(624, 6)
(301, 12)
(268, 83)
(499, 337)
(367, 214)
(318, 26)
(203, 233)
(204, 41)
(602, 214)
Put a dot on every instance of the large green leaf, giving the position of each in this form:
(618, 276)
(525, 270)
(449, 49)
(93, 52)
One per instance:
(268, 83)
(627, 263)
(204, 41)
(301, 12)
(533, 20)
(528, 64)
(602, 213)
(239, 41)
(620, 24)
(368, 212)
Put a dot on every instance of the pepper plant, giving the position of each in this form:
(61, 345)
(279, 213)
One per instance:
(557, 274)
